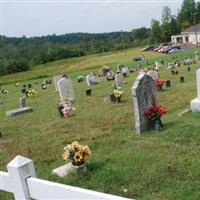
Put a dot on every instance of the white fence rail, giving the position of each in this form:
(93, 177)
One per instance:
(22, 182)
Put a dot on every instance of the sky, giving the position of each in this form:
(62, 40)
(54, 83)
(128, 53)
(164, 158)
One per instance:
(46, 17)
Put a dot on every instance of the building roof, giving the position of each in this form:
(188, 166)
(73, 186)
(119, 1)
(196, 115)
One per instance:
(192, 29)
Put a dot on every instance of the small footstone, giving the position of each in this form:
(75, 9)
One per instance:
(18, 111)
(66, 169)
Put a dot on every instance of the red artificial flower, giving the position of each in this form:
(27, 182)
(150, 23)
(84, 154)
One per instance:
(159, 82)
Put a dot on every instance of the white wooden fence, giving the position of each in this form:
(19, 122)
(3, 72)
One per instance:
(21, 180)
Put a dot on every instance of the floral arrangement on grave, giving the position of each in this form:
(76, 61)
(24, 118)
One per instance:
(118, 94)
(159, 84)
(77, 153)
(65, 110)
(31, 93)
(154, 113)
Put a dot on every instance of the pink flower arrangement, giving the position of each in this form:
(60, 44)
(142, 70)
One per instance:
(67, 109)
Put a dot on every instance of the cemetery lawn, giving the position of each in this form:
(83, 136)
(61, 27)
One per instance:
(154, 166)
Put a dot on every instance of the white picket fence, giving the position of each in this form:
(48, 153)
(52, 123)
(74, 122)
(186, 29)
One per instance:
(22, 182)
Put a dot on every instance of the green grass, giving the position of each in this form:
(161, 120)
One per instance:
(156, 165)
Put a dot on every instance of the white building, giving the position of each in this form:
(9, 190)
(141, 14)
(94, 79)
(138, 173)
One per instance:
(190, 35)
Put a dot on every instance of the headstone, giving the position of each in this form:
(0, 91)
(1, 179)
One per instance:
(153, 74)
(144, 96)
(168, 83)
(188, 68)
(89, 92)
(66, 90)
(91, 79)
(195, 103)
(125, 71)
(157, 65)
(68, 168)
(22, 102)
(56, 79)
(23, 90)
(118, 81)
(182, 80)
(29, 85)
(120, 67)
(18, 111)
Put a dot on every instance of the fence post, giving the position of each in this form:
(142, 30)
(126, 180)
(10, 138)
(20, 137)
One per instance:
(19, 169)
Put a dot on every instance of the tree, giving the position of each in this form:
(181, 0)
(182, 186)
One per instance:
(198, 12)
(185, 17)
(173, 27)
(166, 15)
(156, 32)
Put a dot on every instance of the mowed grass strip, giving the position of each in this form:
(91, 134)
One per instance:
(155, 165)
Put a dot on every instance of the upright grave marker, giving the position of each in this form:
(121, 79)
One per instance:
(56, 79)
(144, 96)
(153, 74)
(90, 79)
(195, 103)
(22, 102)
(66, 90)
(118, 81)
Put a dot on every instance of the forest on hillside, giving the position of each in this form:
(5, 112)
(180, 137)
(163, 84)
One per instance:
(21, 54)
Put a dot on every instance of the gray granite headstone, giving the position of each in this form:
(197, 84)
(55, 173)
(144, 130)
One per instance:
(91, 79)
(118, 81)
(18, 111)
(66, 90)
(22, 102)
(56, 79)
(144, 96)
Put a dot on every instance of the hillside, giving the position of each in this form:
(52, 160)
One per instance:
(22, 54)
(156, 165)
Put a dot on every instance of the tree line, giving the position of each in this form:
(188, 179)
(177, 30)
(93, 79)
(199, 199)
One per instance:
(21, 54)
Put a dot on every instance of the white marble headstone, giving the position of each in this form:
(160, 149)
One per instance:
(66, 90)
(153, 74)
(195, 103)
(125, 71)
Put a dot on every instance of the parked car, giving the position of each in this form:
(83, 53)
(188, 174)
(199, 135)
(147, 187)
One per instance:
(175, 50)
(148, 48)
(139, 58)
(161, 46)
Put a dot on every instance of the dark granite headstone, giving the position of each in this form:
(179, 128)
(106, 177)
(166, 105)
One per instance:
(182, 80)
(168, 83)
(88, 92)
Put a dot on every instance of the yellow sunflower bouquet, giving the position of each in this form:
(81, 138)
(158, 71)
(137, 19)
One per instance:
(31, 93)
(77, 153)
(118, 94)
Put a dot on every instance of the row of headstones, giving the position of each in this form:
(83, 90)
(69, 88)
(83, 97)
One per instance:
(65, 87)
(144, 96)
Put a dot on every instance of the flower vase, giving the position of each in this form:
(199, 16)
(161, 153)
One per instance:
(118, 99)
(160, 88)
(79, 167)
(157, 124)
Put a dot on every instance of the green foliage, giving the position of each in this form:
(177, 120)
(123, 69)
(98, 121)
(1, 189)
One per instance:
(185, 17)
(156, 32)
(18, 54)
